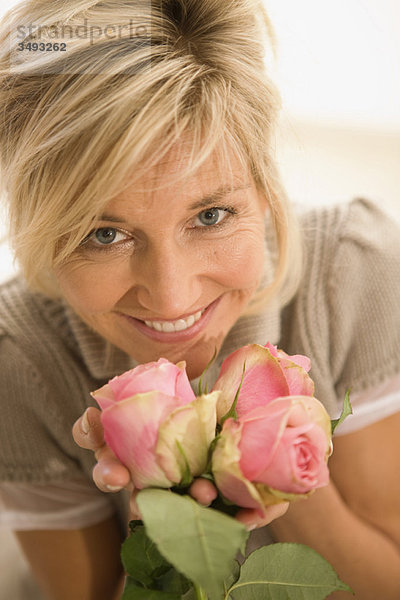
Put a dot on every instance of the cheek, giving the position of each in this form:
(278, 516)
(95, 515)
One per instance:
(240, 261)
(90, 287)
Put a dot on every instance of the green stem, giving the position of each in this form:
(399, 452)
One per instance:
(200, 593)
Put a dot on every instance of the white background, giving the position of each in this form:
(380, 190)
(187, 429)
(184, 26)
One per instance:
(339, 74)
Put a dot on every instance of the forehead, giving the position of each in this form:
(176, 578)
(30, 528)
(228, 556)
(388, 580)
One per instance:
(213, 179)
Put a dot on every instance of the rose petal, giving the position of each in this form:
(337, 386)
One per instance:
(260, 435)
(131, 430)
(193, 427)
(228, 477)
(299, 463)
(307, 408)
(263, 380)
(162, 376)
(104, 396)
(283, 449)
(298, 359)
(299, 382)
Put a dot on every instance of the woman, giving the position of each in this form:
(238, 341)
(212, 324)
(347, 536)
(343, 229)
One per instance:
(148, 219)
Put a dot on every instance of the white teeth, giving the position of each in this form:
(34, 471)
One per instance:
(180, 325)
(190, 321)
(171, 326)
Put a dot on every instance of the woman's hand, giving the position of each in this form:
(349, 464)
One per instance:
(110, 475)
(205, 492)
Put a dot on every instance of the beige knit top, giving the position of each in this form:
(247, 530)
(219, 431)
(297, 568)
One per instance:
(345, 317)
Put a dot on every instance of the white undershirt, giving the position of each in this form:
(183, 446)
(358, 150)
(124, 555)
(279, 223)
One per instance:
(371, 406)
(66, 505)
(77, 504)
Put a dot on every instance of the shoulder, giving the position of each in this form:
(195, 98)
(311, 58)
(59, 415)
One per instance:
(346, 312)
(351, 265)
(35, 337)
(44, 383)
(23, 313)
(358, 229)
(37, 329)
(44, 389)
(351, 261)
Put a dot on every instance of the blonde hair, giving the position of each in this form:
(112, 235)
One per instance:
(77, 126)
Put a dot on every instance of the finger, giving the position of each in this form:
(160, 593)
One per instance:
(109, 474)
(252, 520)
(88, 431)
(204, 491)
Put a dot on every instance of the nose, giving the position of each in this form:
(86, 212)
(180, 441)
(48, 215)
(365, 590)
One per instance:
(168, 279)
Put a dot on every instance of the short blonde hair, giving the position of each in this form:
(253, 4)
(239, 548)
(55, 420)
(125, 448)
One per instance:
(76, 126)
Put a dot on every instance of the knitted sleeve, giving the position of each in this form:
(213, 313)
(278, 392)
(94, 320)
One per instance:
(35, 443)
(346, 315)
(364, 299)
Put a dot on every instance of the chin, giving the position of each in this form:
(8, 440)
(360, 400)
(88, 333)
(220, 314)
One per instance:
(193, 372)
(198, 358)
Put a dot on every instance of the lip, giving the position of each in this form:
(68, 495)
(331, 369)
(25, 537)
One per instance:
(174, 336)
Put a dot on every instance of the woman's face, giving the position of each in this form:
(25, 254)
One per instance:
(168, 272)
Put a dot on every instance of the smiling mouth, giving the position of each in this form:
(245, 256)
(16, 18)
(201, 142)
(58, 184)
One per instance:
(173, 326)
(175, 331)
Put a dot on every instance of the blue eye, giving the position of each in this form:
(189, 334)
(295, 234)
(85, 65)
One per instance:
(105, 235)
(212, 216)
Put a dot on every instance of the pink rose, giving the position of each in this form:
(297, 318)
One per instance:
(155, 425)
(273, 453)
(162, 376)
(269, 373)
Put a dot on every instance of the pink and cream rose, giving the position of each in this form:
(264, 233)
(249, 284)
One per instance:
(155, 425)
(269, 373)
(273, 453)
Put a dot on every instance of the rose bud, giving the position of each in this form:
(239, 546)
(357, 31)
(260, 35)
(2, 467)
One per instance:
(162, 436)
(274, 453)
(267, 374)
(162, 376)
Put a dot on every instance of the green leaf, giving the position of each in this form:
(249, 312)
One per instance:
(285, 572)
(187, 477)
(233, 576)
(173, 582)
(141, 558)
(346, 411)
(232, 411)
(208, 474)
(132, 591)
(199, 542)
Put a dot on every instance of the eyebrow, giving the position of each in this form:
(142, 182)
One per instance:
(203, 202)
(221, 192)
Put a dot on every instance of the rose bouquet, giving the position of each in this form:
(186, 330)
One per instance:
(260, 436)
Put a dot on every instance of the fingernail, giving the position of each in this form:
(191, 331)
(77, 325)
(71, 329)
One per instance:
(85, 425)
(251, 527)
(114, 488)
